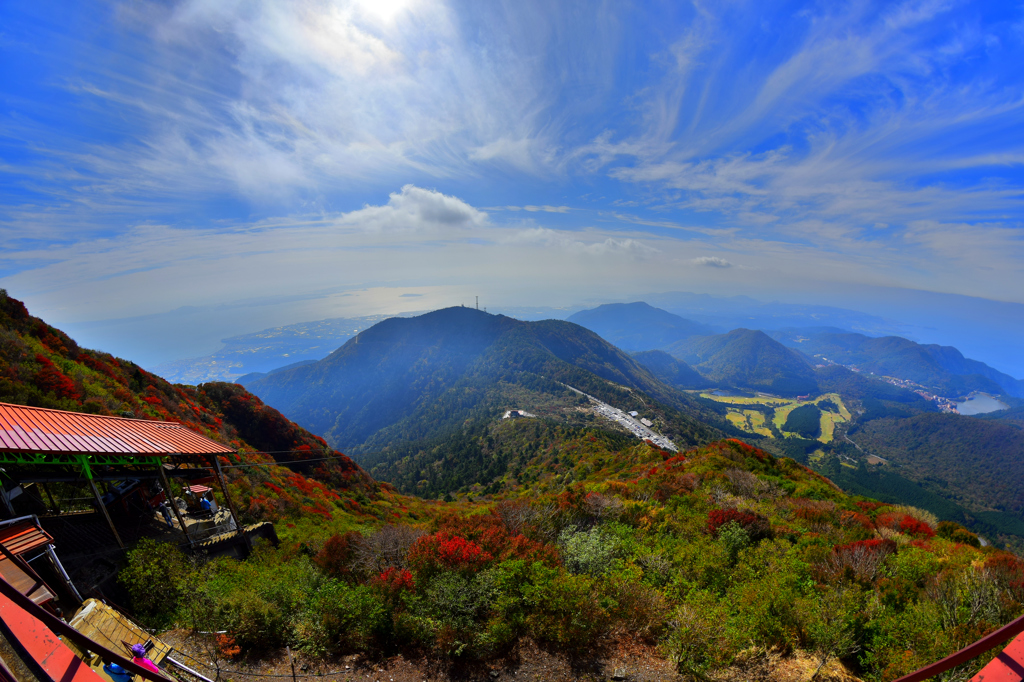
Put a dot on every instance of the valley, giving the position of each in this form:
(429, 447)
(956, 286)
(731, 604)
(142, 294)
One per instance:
(767, 415)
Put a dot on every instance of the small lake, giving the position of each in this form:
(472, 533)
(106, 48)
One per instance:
(980, 403)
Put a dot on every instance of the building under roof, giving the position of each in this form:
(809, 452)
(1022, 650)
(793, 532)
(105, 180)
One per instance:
(39, 445)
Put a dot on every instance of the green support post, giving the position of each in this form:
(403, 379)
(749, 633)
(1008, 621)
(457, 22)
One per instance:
(84, 463)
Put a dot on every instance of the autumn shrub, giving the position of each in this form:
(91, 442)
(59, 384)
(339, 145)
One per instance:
(861, 560)
(957, 533)
(336, 556)
(393, 582)
(491, 532)
(443, 552)
(756, 526)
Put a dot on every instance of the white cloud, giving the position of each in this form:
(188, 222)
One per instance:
(712, 262)
(414, 208)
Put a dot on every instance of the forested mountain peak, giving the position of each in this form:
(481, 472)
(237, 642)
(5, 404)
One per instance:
(748, 358)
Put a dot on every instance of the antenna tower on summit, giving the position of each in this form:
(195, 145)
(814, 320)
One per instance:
(478, 303)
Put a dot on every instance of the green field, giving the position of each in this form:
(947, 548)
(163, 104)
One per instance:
(753, 421)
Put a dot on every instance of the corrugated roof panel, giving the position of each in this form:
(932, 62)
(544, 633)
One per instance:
(35, 429)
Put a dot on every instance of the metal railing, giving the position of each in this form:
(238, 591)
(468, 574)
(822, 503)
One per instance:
(972, 651)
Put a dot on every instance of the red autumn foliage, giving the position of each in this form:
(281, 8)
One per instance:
(670, 486)
(442, 551)
(50, 379)
(905, 524)
(868, 507)
(1008, 571)
(394, 581)
(852, 519)
(493, 536)
(756, 525)
(227, 646)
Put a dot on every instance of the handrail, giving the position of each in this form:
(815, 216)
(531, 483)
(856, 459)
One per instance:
(60, 627)
(989, 641)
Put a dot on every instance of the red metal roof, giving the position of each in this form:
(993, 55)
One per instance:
(35, 429)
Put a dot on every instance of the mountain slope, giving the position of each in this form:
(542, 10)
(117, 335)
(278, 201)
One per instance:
(427, 378)
(748, 359)
(977, 463)
(43, 367)
(670, 370)
(638, 326)
(942, 368)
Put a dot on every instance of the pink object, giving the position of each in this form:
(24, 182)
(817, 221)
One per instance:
(146, 663)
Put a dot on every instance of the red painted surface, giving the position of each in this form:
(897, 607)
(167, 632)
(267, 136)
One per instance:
(34, 429)
(23, 537)
(1008, 666)
(59, 662)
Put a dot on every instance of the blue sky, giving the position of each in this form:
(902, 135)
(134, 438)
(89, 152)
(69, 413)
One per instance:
(291, 161)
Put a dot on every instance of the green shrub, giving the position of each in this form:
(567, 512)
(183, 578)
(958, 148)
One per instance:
(342, 617)
(562, 609)
(451, 606)
(833, 619)
(733, 538)
(694, 638)
(154, 577)
(254, 622)
(588, 552)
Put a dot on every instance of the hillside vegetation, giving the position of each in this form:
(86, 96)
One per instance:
(578, 538)
(43, 367)
(749, 359)
(722, 553)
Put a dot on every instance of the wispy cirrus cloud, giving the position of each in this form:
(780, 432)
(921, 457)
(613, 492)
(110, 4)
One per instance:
(583, 148)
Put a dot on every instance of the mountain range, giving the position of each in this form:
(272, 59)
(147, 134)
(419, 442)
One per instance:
(562, 529)
(942, 368)
(428, 382)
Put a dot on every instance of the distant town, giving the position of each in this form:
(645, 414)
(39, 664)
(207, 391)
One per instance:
(944, 404)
